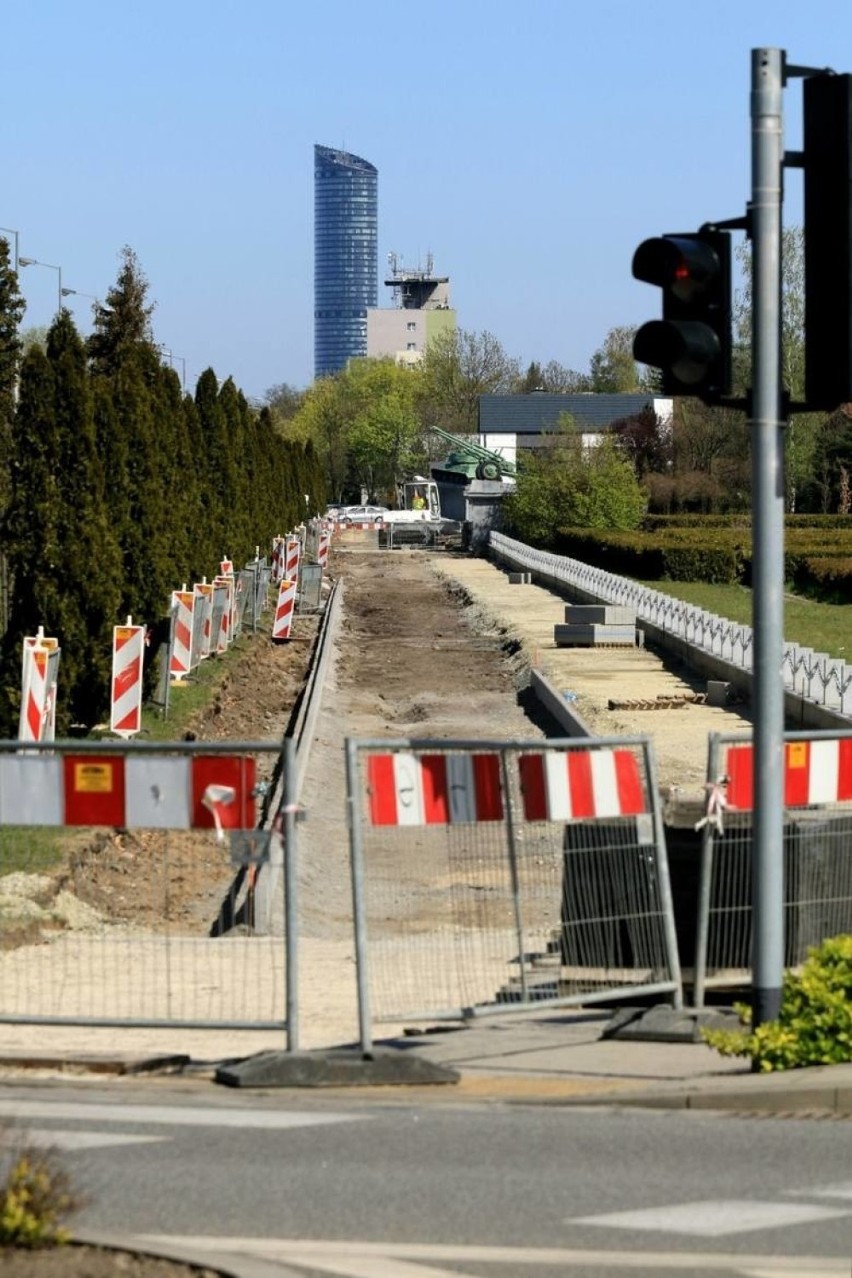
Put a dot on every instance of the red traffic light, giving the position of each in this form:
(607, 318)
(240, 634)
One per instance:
(686, 266)
(691, 344)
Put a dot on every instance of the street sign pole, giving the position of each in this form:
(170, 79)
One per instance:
(767, 83)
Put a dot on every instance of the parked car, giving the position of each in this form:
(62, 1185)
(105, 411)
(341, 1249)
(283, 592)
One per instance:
(363, 514)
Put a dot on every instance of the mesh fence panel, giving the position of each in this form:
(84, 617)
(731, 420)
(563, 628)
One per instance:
(817, 855)
(463, 912)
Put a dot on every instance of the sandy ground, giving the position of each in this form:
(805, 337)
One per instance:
(430, 646)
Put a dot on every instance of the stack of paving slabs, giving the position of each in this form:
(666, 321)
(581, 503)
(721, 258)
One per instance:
(596, 626)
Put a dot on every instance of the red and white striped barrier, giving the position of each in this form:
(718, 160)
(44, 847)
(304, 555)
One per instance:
(278, 557)
(126, 687)
(226, 568)
(204, 603)
(814, 772)
(226, 620)
(292, 553)
(323, 547)
(38, 689)
(573, 785)
(434, 789)
(180, 662)
(284, 608)
(128, 791)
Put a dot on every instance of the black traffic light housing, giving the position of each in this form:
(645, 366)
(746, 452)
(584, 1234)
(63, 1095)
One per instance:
(691, 344)
(828, 240)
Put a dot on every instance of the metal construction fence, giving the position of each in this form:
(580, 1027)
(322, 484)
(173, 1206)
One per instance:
(492, 875)
(132, 877)
(812, 675)
(817, 854)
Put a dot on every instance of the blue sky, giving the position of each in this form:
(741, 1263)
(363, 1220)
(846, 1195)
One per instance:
(529, 146)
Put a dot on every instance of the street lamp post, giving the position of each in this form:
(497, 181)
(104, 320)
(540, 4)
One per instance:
(8, 231)
(171, 357)
(33, 261)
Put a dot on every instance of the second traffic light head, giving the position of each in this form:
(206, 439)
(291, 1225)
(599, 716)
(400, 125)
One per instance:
(691, 344)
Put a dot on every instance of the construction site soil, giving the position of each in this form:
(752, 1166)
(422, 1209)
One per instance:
(417, 652)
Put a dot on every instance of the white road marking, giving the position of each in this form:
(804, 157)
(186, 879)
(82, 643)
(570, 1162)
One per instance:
(825, 1191)
(183, 1116)
(85, 1140)
(330, 1256)
(710, 1219)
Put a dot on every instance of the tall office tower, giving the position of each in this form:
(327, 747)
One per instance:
(346, 269)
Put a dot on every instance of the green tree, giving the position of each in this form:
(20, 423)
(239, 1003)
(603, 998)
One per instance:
(613, 370)
(567, 484)
(459, 366)
(32, 535)
(89, 556)
(11, 312)
(124, 319)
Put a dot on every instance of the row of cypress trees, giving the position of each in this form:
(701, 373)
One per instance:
(116, 487)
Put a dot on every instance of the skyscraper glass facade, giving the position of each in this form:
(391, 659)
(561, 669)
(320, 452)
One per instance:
(346, 276)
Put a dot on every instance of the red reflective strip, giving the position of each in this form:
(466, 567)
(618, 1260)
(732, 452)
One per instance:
(580, 784)
(797, 761)
(434, 788)
(94, 789)
(381, 788)
(740, 769)
(531, 771)
(631, 795)
(130, 721)
(183, 634)
(844, 769)
(123, 635)
(126, 678)
(489, 794)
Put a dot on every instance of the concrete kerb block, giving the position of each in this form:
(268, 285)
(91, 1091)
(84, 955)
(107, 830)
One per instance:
(345, 1067)
(717, 692)
(520, 578)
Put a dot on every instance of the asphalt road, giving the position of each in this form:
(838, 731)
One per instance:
(334, 1185)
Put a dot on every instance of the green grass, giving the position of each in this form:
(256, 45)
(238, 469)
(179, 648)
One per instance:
(28, 849)
(823, 627)
(198, 692)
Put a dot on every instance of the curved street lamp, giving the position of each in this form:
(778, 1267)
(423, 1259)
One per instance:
(33, 261)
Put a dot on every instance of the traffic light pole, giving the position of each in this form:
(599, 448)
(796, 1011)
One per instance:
(767, 83)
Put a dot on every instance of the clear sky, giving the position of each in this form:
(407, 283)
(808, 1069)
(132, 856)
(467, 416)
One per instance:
(529, 146)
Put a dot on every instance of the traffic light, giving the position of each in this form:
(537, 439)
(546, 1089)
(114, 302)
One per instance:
(828, 240)
(691, 344)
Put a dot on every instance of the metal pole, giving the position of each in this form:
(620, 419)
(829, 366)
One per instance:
(768, 535)
(513, 873)
(59, 307)
(359, 909)
(291, 892)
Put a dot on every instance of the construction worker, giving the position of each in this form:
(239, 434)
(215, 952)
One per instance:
(418, 502)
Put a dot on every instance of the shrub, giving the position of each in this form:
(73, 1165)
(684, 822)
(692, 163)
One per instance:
(814, 1025)
(35, 1198)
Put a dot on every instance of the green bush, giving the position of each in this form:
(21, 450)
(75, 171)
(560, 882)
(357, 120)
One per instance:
(814, 1026)
(35, 1197)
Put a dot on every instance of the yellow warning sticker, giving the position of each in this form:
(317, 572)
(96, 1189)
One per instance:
(93, 778)
(797, 754)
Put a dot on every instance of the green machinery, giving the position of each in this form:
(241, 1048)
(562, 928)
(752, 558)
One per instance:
(470, 460)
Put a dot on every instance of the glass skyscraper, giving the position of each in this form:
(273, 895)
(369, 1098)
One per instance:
(346, 275)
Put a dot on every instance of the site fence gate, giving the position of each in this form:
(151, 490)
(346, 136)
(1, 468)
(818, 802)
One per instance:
(817, 854)
(204, 833)
(489, 876)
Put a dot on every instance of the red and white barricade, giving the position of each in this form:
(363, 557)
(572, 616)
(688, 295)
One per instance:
(292, 554)
(165, 792)
(815, 772)
(436, 789)
(284, 609)
(221, 616)
(579, 785)
(203, 592)
(38, 691)
(126, 688)
(226, 568)
(181, 659)
(323, 546)
(226, 629)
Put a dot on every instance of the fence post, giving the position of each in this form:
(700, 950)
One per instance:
(702, 923)
(291, 892)
(513, 870)
(359, 914)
